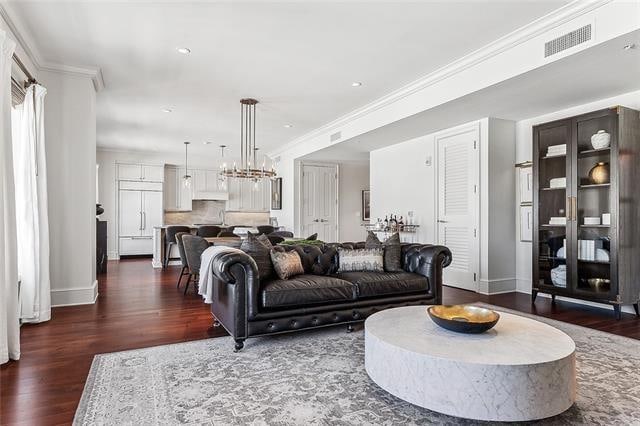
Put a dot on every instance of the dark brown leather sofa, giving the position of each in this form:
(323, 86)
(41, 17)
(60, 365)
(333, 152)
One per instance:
(247, 307)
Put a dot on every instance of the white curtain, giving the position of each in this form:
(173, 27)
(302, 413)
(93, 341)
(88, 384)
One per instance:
(9, 308)
(31, 206)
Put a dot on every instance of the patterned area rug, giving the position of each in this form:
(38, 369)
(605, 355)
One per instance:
(318, 378)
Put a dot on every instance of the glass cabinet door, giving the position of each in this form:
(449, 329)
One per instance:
(553, 165)
(592, 206)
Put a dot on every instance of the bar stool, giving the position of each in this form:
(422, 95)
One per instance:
(170, 240)
(265, 229)
(183, 257)
(194, 246)
(206, 231)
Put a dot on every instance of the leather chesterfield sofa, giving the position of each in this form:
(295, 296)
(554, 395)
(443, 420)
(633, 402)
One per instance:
(247, 307)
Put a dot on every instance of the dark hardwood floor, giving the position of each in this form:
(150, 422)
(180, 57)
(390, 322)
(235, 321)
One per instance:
(141, 307)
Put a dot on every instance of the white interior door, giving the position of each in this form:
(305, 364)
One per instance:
(319, 202)
(130, 217)
(151, 211)
(458, 207)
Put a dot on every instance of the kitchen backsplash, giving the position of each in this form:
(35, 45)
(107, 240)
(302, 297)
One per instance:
(211, 212)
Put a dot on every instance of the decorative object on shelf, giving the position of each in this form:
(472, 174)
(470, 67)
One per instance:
(599, 174)
(560, 182)
(558, 220)
(248, 167)
(602, 255)
(186, 179)
(599, 284)
(591, 220)
(380, 226)
(557, 150)
(463, 318)
(559, 276)
(606, 218)
(99, 209)
(366, 205)
(600, 140)
(526, 223)
(276, 194)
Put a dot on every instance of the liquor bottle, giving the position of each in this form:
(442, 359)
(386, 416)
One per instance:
(401, 224)
(386, 222)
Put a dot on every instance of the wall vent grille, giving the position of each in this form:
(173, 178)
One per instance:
(567, 41)
(336, 136)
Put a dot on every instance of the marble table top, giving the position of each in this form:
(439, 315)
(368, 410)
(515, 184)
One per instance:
(514, 340)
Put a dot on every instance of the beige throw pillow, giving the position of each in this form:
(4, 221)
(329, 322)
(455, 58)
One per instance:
(287, 264)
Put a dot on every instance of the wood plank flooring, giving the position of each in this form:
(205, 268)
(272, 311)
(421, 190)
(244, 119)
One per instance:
(140, 307)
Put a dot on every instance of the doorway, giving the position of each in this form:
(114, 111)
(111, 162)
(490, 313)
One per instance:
(319, 201)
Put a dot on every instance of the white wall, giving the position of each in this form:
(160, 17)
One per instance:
(70, 126)
(524, 150)
(353, 178)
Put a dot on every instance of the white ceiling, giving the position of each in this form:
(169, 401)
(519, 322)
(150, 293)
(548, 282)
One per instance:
(600, 72)
(298, 58)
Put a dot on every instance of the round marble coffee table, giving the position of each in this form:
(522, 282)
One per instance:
(520, 370)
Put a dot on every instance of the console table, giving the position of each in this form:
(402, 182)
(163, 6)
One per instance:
(521, 370)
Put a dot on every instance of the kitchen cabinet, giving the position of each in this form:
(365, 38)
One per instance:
(141, 172)
(177, 198)
(247, 195)
(205, 186)
(138, 212)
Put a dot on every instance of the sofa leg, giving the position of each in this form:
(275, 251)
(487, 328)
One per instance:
(239, 345)
(349, 328)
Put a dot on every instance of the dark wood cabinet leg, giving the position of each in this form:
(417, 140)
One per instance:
(635, 307)
(239, 345)
(617, 309)
(534, 294)
(553, 298)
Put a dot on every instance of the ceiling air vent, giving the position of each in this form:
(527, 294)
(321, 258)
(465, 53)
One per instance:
(336, 136)
(567, 41)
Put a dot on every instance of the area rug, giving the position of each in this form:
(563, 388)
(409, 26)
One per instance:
(318, 378)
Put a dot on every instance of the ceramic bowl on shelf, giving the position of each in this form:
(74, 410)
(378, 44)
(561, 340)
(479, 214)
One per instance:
(600, 140)
(463, 318)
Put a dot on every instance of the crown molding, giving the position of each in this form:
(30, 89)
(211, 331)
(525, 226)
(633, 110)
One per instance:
(24, 39)
(541, 25)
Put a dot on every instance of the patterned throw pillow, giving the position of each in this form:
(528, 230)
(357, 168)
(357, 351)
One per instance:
(259, 251)
(392, 250)
(360, 260)
(286, 263)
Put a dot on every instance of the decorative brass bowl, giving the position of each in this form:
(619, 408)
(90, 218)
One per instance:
(599, 284)
(463, 318)
(599, 174)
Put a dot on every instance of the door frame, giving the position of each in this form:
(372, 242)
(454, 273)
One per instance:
(466, 128)
(300, 193)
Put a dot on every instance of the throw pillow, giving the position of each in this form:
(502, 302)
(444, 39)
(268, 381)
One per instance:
(260, 252)
(392, 250)
(286, 263)
(361, 260)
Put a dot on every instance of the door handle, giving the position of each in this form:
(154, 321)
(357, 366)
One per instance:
(316, 220)
(442, 221)
(140, 227)
(144, 220)
(574, 208)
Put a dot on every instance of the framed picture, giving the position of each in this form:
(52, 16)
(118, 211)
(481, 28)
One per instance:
(526, 223)
(276, 194)
(366, 205)
(525, 180)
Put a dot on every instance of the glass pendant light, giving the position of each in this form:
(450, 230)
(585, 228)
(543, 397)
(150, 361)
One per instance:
(222, 176)
(186, 179)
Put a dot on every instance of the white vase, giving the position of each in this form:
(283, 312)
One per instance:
(600, 140)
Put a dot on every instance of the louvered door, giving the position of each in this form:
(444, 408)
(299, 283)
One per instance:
(457, 206)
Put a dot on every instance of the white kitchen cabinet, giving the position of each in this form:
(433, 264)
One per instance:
(138, 212)
(177, 198)
(141, 172)
(245, 196)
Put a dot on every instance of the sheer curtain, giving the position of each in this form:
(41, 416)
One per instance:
(31, 205)
(9, 309)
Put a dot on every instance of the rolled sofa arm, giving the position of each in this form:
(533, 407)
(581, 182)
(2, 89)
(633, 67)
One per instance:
(427, 260)
(235, 291)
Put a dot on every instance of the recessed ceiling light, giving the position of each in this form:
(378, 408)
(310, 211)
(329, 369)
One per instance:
(167, 110)
(184, 50)
(629, 46)
(356, 84)
(288, 126)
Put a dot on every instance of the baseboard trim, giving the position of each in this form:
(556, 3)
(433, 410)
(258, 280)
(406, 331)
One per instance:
(497, 286)
(74, 296)
(113, 255)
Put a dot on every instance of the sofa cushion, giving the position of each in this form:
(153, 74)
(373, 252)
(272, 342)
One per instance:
(374, 284)
(259, 250)
(392, 250)
(360, 260)
(306, 290)
(286, 264)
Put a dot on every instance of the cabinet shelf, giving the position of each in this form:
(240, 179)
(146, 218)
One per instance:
(592, 152)
(554, 189)
(595, 185)
(547, 225)
(595, 226)
(595, 262)
(549, 157)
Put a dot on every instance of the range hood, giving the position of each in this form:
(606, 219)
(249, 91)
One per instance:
(211, 195)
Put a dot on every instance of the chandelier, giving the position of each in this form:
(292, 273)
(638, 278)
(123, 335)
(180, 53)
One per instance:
(248, 167)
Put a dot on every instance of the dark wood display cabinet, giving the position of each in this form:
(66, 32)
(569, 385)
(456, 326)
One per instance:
(586, 208)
